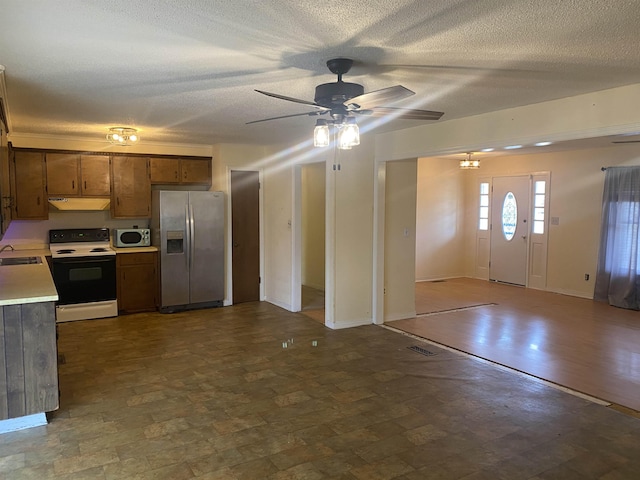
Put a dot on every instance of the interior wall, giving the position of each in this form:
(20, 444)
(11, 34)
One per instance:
(575, 204)
(313, 225)
(439, 220)
(400, 239)
(352, 265)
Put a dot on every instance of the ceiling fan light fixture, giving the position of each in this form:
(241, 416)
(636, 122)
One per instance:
(348, 134)
(321, 134)
(123, 136)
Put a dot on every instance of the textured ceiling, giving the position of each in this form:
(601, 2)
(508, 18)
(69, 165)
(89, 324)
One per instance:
(185, 72)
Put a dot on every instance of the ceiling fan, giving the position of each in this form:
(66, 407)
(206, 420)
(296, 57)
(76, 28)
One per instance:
(344, 100)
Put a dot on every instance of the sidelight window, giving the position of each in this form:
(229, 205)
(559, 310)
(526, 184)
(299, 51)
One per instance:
(538, 208)
(483, 222)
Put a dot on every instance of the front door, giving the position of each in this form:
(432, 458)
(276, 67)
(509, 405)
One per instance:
(245, 234)
(510, 228)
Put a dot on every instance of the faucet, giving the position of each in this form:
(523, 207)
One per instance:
(8, 245)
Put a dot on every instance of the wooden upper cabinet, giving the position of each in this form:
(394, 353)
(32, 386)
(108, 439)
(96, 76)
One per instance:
(195, 171)
(94, 175)
(28, 187)
(165, 170)
(71, 175)
(180, 171)
(130, 187)
(62, 174)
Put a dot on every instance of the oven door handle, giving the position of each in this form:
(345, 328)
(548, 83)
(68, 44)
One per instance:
(67, 260)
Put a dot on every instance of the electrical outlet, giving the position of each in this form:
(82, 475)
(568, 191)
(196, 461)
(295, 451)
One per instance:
(586, 277)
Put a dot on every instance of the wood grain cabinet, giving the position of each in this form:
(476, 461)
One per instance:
(180, 171)
(29, 360)
(28, 186)
(72, 174)
(137, 281)
(130, 187)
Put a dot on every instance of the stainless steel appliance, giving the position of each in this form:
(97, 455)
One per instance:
(84, 273)
(188, 229)
(131, 237)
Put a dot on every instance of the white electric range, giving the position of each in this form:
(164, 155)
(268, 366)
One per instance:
(84, 273)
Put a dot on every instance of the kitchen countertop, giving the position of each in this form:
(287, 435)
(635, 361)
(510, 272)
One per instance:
(26, 283)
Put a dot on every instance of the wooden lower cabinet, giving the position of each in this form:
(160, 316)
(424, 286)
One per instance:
(137, 275)
(28, 360)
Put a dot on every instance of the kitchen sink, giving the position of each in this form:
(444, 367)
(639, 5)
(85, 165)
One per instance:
(20, 260)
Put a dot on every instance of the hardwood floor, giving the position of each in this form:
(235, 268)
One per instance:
(584, 345)
(255, 392)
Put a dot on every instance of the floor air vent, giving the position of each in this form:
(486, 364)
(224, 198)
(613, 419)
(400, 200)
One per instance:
(421, 350)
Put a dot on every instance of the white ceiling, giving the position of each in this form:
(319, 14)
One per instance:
(185, 71)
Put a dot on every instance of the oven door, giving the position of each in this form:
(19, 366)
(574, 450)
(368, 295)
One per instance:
(85, 279)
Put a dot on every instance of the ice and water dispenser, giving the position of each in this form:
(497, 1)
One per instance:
(175, 241)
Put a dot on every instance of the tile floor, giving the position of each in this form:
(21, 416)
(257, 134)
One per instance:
(213, 394)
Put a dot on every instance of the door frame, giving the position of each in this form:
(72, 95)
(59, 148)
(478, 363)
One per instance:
(537, 245)
(229, 234)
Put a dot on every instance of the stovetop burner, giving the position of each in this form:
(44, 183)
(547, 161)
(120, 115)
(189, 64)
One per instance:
(80, 242)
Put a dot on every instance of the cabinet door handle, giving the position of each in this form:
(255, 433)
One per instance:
(118, 201)
(85, 184)
(176, 175)
(73, 184)
(38, 200)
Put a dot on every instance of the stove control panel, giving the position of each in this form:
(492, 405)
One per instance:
(79, 235)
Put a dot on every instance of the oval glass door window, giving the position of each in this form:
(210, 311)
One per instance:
(509, 216)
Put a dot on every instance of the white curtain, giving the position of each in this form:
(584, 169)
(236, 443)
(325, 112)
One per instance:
(617, 277)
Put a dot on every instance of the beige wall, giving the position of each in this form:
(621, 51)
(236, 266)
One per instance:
(439, 220)
(575, 200)
(400, 240)
(352, 217)
(313, 225)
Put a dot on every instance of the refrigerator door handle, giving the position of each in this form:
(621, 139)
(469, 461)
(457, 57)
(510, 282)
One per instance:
(187, 229)
(192, 235)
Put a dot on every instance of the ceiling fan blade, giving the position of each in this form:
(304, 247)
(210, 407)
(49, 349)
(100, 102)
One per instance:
(310, 114)
(291, 99)
(626, 141)
(379, 97)
(402, 113)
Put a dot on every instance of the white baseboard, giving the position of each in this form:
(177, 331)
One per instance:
(356, 322)
(287, 306)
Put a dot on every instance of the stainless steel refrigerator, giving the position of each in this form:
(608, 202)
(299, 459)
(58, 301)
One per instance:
(188, 229)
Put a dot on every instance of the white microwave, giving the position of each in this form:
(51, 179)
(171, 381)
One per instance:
(131, 237)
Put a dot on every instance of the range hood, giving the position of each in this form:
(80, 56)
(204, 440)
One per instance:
(79, 203)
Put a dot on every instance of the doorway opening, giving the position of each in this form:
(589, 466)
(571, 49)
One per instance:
(313, 201)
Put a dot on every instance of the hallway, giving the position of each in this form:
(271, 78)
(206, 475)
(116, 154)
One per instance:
(584, 345)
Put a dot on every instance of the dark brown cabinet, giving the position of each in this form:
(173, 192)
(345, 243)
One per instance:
(28, 186)
(71, 175)
(180, 171)
(137, 281)
(130, 187)
(94, 176)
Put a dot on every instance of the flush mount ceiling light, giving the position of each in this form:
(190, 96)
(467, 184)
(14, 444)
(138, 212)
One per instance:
(468, 163)
(123, 136)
